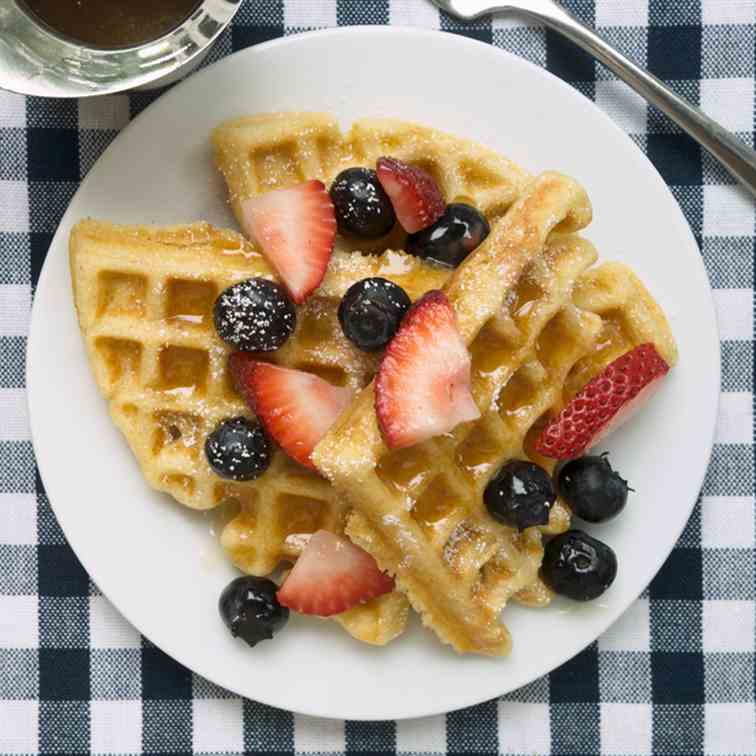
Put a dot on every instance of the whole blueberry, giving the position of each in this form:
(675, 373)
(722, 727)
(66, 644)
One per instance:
(452, 237)
(250, 609)
(371, 311)
(592, 489)
(238, 450)
(520, 495)
(578, 566)
(362, 206)
(255, 315)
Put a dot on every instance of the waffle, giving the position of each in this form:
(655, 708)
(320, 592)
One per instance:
(144, 297)
(258, 153)
(535, 339)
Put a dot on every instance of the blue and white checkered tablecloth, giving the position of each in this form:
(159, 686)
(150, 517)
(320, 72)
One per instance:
(674, 676)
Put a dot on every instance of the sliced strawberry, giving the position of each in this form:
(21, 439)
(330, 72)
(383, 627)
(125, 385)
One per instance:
(422, 388)
(295, 228)
(294, 407)
(331, 576)
(610, 399)
(416, 198)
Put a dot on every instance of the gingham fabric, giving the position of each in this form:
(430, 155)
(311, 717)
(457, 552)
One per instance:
(674, 676)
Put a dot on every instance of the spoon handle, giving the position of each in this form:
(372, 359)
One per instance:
(732, 152)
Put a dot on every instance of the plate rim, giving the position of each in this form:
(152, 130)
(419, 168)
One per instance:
(463, 42)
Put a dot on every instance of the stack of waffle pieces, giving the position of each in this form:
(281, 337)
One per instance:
(540, 322)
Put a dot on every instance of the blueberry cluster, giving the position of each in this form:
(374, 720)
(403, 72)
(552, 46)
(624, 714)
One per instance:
(372, 309)
(521, 495)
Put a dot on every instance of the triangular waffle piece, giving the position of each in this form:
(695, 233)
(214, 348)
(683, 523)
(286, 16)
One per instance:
(419, 510)
(144, 297)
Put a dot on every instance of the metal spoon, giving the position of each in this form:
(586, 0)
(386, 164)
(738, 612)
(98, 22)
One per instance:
(733, 153)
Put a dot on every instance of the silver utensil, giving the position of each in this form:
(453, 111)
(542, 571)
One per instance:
(733, 153)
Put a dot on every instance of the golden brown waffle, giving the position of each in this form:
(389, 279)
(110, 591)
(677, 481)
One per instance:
(629, 317)
(144, 297)
(259, 153)
(419, 511)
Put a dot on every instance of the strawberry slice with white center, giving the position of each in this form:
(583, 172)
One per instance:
(296, 228)
(294, 407)
(606, 402)
(416, 198)
(331, 576)
(422, 388)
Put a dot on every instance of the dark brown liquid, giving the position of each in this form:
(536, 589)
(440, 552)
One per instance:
(112, 23)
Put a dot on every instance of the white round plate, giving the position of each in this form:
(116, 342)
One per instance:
(160, 565)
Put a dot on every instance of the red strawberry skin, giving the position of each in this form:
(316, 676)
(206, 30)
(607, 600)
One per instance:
(416, 198)
(331, 576)
(296, 228)
(606, 402)
(295, 408)
(422, 388)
